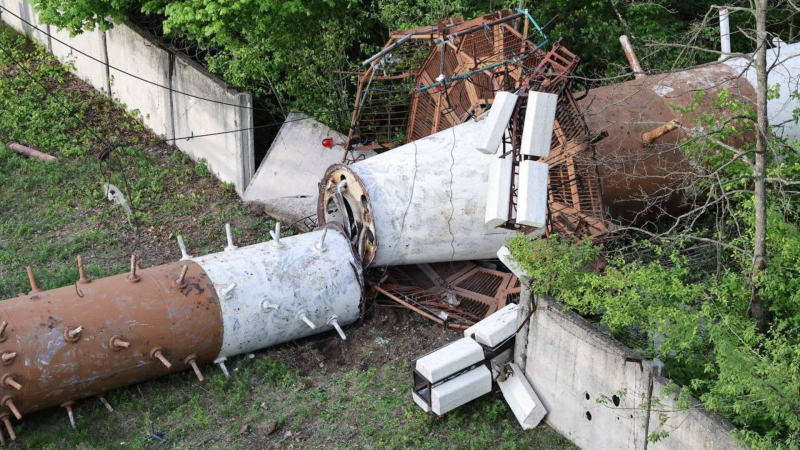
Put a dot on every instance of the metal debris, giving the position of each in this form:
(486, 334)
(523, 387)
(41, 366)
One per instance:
(429, 290)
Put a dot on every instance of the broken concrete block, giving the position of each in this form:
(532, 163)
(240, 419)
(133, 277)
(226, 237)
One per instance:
(498, 197)
(532, 194)
(538, 131)
(495, 329)
(497, 122)
(520, 396)
(460, 390)
(449, 359)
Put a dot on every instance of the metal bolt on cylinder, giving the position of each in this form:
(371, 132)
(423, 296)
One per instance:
(180, 283)
(8, 402)
(229, 235)
(334, 320)
(68, 406)
(303, 315)
(116, 343)
(156, 353)
(82, 279)
(105, 403)
(73, 334)
(182, 245)
(5, 417)
(276, 236)
(8, 357)
(8, 381)
(191, 360)
(132, 277)
(222, 367)
(32, 279)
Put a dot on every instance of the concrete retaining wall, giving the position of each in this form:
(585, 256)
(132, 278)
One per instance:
(165, 109)
(601, 395)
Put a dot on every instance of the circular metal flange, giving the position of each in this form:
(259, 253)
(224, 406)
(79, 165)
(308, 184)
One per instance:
(344, 200)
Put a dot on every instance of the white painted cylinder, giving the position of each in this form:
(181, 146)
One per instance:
(724, 33)
(277, 290)
(422, 202)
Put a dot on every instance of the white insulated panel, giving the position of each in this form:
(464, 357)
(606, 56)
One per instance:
(496, 328)
(532, 194)
(492, 134)
(498, 196)
(522, 399)
(449, 359)
(420, 402)
(460, 390)
(538, 130)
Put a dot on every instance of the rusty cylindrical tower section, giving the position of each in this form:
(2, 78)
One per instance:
(77, 341)
(83, 340)
(419, 203)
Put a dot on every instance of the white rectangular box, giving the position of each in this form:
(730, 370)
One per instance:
(522, 399)
(495, 125)
(449, 359)
(532, 194)
(539, 118)
(460, 390)
(498, 197)
(496, 328)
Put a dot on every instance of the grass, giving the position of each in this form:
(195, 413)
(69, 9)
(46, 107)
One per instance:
(50, 213)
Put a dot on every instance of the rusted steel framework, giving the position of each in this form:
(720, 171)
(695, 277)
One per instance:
(456, 294)
(432, 78)
(575, 205)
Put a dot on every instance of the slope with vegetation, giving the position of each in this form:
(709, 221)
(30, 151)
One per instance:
(317, 393)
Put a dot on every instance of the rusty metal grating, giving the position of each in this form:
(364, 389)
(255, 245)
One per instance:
(456, 295)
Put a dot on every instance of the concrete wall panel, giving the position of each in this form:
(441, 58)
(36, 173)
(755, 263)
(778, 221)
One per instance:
(93, 71)
(130, 52)
(294, 165)
(226, 154)
(24, 9)
(599, 394)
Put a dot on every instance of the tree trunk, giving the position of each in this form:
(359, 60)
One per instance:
(757, 304)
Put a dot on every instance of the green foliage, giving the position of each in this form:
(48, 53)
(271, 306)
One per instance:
(692, 316)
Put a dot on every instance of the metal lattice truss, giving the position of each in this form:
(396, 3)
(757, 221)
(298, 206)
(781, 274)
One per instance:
(575, 205)
(432, 78)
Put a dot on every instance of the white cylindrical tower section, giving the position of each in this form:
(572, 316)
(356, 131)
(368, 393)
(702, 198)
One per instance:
(268, 294)
(423, 202)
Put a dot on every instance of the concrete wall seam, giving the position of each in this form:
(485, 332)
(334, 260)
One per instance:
(601, 395)
(230, 155)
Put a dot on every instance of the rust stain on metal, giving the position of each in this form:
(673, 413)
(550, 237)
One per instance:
(151, 313)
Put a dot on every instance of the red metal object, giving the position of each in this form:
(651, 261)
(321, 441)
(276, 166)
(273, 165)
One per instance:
(328, 142)
(27, 151)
